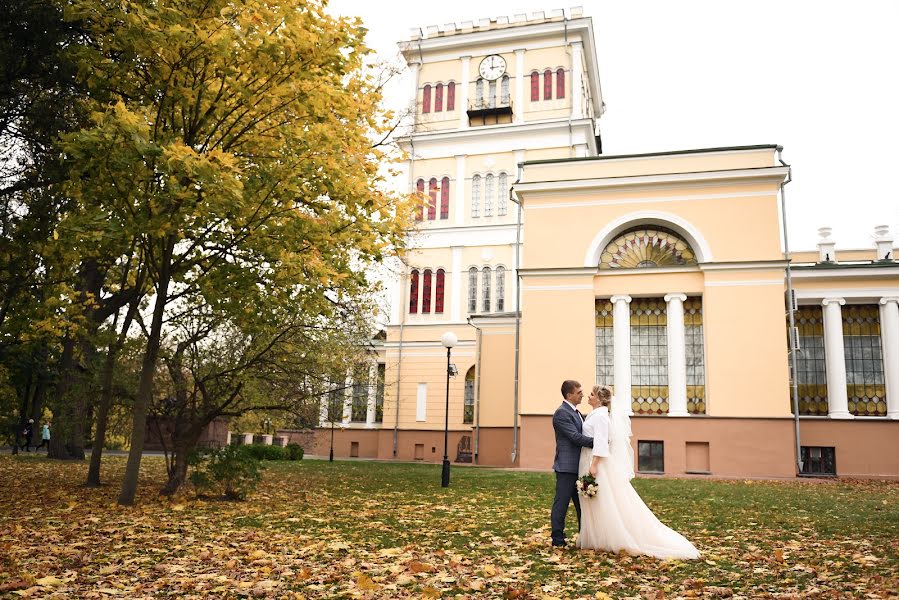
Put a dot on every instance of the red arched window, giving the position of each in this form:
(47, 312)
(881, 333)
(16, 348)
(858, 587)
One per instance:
(420, 188)
(426, 293)
(444, 198)
(560, 83)
(547, 85)
(426, 99)
(438, 291)
(451, 96)
(413, 292)
(535, 86)
(438, 98)
(432, 204)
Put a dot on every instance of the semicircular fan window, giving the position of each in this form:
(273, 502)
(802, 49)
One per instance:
(647, 247)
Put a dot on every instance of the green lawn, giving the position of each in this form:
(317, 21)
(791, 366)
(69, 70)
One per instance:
(345, 529)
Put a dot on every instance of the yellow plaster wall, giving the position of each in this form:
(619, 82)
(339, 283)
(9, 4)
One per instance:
(647, 283)
(497, 389)
(557, 342)
(420, 366)
(746, 350)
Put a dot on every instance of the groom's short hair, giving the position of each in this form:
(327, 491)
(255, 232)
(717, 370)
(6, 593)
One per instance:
(568, 386)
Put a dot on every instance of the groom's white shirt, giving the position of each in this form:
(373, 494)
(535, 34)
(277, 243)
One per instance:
(600, 424)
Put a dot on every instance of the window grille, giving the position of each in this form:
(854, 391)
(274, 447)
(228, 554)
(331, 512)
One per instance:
(504, 90)
(485, 291)
(488, 195)
(811, 371)
(865, 384)
(503, 198)
(650, 457)
(649, 356)
(479, 93)
(605, 343)
(359, 412)
(379, 393)
(468, 409)
(472, 290)
(500, 289)
(491, 94)
(818, 460)
(475, 195)
(696, 402)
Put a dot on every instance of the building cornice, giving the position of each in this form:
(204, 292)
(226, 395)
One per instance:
(820, 272)
(558, 272)
(753, 265)
(536, 189)
(652, 155)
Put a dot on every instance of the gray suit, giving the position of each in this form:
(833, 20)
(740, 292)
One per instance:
(568, 424)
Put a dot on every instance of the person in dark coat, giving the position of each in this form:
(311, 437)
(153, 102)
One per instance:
(28, 433)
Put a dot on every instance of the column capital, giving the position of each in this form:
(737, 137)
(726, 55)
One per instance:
(675, 296)
(827, 301)
(519, 50)
(621, 298)
(889, 299)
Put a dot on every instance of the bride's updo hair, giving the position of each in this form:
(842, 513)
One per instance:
(604, 393)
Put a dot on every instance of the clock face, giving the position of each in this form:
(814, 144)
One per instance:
(493, 67)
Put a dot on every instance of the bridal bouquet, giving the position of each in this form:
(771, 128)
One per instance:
(586, 486)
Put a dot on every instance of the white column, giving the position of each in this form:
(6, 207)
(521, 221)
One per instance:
(889, 327)
(456, 285)
(459, 209)
(621, 331)
(372, 388)
(835, 359)
(463, 95)
(519, 86)
(577, 100)
(677, 356)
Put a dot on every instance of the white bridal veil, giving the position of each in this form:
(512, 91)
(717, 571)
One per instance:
(620, 439)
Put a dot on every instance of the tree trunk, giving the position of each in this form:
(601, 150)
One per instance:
(148, 372)
(93, 473)
(178, 472)
(63, 409)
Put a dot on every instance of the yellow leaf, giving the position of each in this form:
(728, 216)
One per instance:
(430, 592)
(364, 582)
(49, 581)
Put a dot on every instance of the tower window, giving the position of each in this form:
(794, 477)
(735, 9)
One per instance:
(426, 99)
(420, 189)
(475, 195)
(502, 199)
(444, 198)
(488, 195)
(472, 290)
(485, 284)
(413, 292)
(438, 98)
(439, 288)
(432, 195)
(426, 292)
(500, 289)
(547, 85)
(451, 96)
(560, 83)
(535, 86)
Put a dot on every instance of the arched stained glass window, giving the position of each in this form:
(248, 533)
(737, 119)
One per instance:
(432, 203)
(444, 198)
(413, 292)
(420, 188)
(439, 287)
(426, 292)
(647, 247)
(451, 96)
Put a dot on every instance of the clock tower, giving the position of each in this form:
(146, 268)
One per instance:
(488, 95)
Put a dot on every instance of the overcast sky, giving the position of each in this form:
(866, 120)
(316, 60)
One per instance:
(817, 77)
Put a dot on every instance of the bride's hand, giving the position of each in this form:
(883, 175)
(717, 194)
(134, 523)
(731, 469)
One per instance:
(593, 470)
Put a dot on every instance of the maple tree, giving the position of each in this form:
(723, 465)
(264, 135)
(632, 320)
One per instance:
(230, 163)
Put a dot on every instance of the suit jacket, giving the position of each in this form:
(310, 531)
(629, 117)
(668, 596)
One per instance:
(568, 424)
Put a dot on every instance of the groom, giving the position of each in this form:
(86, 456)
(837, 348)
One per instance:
(568, 424)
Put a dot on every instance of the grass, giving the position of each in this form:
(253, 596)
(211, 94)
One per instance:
(345, 529)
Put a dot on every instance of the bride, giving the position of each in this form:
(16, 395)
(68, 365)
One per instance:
(616, 518)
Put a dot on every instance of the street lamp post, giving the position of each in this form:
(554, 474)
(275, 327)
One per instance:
(449, 340)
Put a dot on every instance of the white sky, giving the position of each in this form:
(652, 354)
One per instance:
(817, 77)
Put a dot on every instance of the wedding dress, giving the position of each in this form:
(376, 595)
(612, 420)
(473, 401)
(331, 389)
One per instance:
(616, 518)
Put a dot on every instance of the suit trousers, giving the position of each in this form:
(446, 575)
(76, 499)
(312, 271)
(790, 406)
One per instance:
(566, 491)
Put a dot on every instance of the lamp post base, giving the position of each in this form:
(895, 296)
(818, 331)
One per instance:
(444, 480)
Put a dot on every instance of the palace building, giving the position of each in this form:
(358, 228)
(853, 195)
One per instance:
(665, 275)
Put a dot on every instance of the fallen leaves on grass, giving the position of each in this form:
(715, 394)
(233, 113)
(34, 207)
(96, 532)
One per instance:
(317, 530)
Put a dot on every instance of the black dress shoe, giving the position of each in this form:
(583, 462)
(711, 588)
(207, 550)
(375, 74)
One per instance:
(559, 544)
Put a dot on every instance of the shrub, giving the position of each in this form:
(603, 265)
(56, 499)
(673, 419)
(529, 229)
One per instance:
(263, 452)
(229, 471)
(294, 452)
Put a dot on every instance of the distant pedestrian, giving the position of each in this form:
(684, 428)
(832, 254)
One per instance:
(45, 436)
(28, 433)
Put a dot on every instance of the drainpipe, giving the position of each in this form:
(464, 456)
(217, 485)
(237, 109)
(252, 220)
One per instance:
(403, 305)
(477, 395)
(794, 335)
(517, 317)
